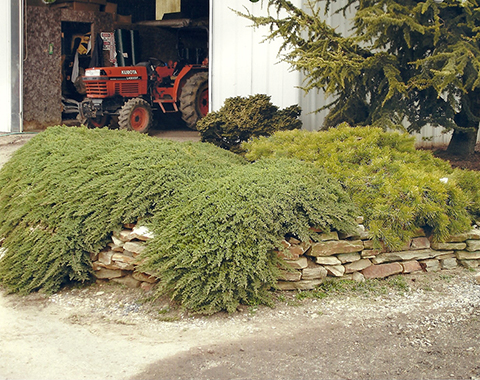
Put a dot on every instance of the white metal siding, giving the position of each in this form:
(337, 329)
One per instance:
(5, 67)
(11, 35)
(315, 100)
(242, 65)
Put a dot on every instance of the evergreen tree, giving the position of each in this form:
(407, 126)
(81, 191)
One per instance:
(414, 61)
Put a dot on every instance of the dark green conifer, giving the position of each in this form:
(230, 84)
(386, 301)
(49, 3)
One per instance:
(414, 61)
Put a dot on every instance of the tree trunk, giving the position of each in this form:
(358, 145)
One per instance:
(464, 137)
(463, 142)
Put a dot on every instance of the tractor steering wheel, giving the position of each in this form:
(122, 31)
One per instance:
(156, 62)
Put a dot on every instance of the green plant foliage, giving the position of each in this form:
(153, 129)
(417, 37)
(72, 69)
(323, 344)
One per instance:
(469, 181)
(367, 288)
(244, 117)
(401, 60)
(216, 218)
(215, 247)
(396, 187)
(64, 192)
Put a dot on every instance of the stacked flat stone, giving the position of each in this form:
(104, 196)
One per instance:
(353, 257)
(334, 255)
(118, 261)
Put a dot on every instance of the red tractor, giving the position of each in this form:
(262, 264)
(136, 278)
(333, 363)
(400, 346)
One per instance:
(128, 95)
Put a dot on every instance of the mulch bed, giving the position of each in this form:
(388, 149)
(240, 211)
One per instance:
(471, 162)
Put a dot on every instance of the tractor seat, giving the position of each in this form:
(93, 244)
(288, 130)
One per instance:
(148, 65)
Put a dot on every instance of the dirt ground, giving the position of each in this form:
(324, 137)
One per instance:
(471, 162)
(424, 326)
(10, 143)
(420, 326)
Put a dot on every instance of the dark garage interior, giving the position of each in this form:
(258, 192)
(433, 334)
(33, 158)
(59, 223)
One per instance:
(62, 39)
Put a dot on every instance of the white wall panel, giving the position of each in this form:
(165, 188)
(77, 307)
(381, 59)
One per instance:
(315, 100)
(11, 27)
(240, 64)
(429, 137)
(5, 67)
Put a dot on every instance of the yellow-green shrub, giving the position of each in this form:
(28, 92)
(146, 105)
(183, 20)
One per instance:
(469, 182)
(396, 187)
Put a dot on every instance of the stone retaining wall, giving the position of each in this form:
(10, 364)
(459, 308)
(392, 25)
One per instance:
(117, 261)
(347, 257)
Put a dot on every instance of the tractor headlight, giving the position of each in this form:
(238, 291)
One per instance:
(92, 73)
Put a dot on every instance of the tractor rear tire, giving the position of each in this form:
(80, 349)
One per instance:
(194, 99)
(135, 115)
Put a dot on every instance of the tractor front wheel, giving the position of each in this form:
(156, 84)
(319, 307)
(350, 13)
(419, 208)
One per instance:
(194, 99)
(98, 122)
(135, 115)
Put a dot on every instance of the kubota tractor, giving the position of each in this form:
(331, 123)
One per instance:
(127, 95)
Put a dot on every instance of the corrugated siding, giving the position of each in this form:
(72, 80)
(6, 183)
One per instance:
(315, 100)
(5, 67)
(242, 65)
(430, 136)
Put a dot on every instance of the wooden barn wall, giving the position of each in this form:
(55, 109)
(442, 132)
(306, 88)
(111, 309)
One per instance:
(42, 79)
(41, 71)
(159, 43)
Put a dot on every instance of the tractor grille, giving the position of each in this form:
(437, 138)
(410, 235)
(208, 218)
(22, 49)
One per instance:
(127, 89)
(96, 88)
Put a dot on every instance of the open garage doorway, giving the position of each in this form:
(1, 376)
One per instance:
(126, 32)
(76, 57)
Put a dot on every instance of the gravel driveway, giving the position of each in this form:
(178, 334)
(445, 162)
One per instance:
(428, 329)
